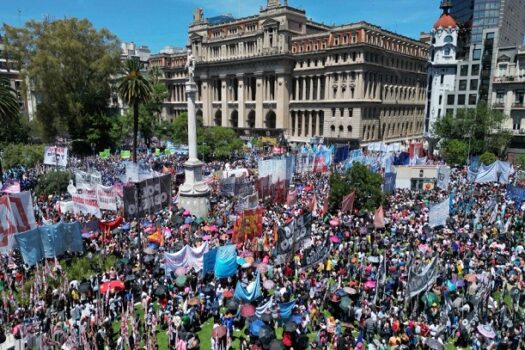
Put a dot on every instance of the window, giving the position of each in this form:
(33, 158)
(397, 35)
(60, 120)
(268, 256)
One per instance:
(461, 99)
(451, 99)
(462, 85)
(442, 79)
(473, 84)
(520, 97)
(440, 99)
(449, 39)
(439, 113)
(463, 71)
(447, 51)
(450, 111)
(476, 54)
(475, 69)
(472, 99)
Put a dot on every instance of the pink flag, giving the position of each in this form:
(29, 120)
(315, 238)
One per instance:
(379, 218)
(347, 204)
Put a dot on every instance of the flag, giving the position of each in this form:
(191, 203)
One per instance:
(347, 204)
(379, 218)
(10, 186)
(291, 198)
(157, 152)
(124, 154)
(326, 204)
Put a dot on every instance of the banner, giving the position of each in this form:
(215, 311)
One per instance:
(438, 214)
(291, 199)
(87, 180)
(10, 186)
(226, 262)
(125, 154)
(208, 262)
(86, 203)
(248, 225)
(227, 186)
(187, 257)
(107, 198)
(379, 218)
(516, 194)
(443, 177)
(389, 185)
(316, 254)
(496, 172)
(347, 204)
(251, 292)
(263, 185)
(419, 282)
(285, 310)
(56, 156)
(243, 187)
(293, 236)
(154, 195)
(248, 202)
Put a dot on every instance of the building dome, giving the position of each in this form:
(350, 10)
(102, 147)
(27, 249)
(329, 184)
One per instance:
(445, 21)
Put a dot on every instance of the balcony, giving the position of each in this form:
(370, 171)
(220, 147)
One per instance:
(519, 105)
(509, 79)
(498, 105)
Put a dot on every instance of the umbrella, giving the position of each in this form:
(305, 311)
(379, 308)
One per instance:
(112, 286)
(232, 305)
(430, 298)
(218, 332)
(334, 298)
(247, 310)
(255, 327)
(451, 286)
(334, 222)
(227, 294)
(276, 345)
(335, 239)
(266, 317)
(180, 281)
(370, 284)
(262, 268)
(188, 220)
(296, 318)
(160, 291)
(266, 334)
(84, 287)
(148, 258)
(350, 290)
(487, 331)
(186, 213)
(149, 251)
(434, 344)
(180, 271)
(290, 326)
(240, 261)
(208, 289)
(213, 228)
(193, 301)
(471, 277)
(345, 302)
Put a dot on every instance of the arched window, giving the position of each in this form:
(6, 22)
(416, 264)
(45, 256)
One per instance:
(449, 39)
(447, 51)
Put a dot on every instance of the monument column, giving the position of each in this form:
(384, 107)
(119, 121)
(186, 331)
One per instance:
(194, 195)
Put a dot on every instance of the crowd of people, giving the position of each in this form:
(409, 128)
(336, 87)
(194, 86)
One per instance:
(357, 297)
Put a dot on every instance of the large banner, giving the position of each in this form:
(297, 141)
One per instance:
(16, 215)
(419, 282)
(227, 186)
(188, 257)
(107, 198)
(438, 214)
(389, 184)
(87, 180)
(249, 202)
(316, 253)
(154, 195)
(248, 225)
(443, 177)
(86, 203)
(55, 156)
(293, 236)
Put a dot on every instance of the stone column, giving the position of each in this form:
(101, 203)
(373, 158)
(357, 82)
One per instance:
(224, 102)
(259, 108)
(318, 88)
(241, 100)
(311, 80)
(296, 95)
(282, 92)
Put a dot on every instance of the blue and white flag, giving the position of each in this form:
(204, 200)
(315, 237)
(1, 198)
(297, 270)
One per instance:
(438, 214)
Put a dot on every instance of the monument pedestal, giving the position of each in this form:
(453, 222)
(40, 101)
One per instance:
(194, 195)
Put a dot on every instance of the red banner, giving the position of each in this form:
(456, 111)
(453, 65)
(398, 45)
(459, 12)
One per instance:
(248, 225)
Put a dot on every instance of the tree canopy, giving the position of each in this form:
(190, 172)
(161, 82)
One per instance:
(480, 127)
(365, 183)
(70, 65)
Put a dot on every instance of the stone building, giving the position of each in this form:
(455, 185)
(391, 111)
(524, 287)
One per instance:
(280, 73)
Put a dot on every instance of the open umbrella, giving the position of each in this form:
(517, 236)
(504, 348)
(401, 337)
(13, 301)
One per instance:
(255, 327)
(84, 287)
(206, 238)
(232, 305)
(180, 281)
(334, 222)
(266, 317)
(227, 294)
(344, 303)
(487, 331)
(471, 277)
(350, 290)
(193, 301)
(335, 239)
(262, 268)
(149, 251)
(430, 298)
(180, 271)
(276, 345)
(266, 334)
(268, 284)
(290, 326)
(247, 310)
(434, 344)
(370, 284)
(112, 286)
(218, 332)
(160, 291)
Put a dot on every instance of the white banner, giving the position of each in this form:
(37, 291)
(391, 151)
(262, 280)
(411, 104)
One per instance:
(16, 216)
(86, 203)
(56, 156)
(107, 198)
(86, 180)
(438, 214)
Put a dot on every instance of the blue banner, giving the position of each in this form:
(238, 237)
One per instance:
(438, 214)
(52, 240)
(389, 185)
(208, 262)
(285, 309)
(30, 246)
(251, 292)
(226, 262)
(516, 194)
(73, 237)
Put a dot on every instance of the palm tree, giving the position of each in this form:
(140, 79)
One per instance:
(134, 89)
(9, 108)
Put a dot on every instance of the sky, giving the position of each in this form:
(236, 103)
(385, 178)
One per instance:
(165, 22)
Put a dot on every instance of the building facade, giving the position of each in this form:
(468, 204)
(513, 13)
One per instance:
(484, 28)
(279, 73)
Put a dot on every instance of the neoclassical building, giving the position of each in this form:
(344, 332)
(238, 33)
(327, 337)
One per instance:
(280, 73)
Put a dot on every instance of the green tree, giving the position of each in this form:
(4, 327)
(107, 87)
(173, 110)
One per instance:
(454, 151)
(180, 129)
(365, 183)
(134, 89)
(53, 182)
(70, 65)
(481, 127)
(22, 154)
(488, 158)
(9, 109)
(520, 161)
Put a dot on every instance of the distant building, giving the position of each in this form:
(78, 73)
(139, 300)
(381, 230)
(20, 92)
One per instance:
(280, 74)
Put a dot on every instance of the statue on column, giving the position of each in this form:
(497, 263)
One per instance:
(190, 66)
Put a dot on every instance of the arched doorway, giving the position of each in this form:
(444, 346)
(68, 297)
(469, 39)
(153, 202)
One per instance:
(218, 118)
(270, 120)
(234, 119)
(251, 119)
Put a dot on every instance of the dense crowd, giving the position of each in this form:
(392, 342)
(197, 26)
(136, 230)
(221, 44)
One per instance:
(355, 298)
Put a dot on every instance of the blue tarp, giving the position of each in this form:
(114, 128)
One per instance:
(285, 309)
(402, 159)
(226, 262)
(251, 292)
(208, 261)
(496, 172)
(49, 241)
(30, 246)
